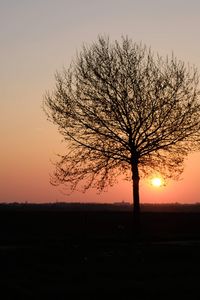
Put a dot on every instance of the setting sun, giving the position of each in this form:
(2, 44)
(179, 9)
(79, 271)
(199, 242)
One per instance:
(157, 182)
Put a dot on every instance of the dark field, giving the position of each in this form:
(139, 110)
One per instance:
(95, 254)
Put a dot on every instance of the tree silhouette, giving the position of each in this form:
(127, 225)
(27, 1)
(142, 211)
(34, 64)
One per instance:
(123, 110)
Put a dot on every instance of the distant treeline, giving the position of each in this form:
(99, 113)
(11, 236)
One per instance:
(117, 206)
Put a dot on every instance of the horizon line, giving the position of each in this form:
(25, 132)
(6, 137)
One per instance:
(94, 203)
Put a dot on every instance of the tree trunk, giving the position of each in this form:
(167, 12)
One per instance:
(135, 180)
(136, 198)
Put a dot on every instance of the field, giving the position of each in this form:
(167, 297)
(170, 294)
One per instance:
(94, 254)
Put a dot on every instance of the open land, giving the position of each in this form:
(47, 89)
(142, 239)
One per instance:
(93, 252)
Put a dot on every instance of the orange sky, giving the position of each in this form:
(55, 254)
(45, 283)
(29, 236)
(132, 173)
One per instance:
(39, 37)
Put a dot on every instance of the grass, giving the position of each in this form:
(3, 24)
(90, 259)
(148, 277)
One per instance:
(55, 254)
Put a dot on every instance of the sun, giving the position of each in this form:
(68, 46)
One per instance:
(156, 181)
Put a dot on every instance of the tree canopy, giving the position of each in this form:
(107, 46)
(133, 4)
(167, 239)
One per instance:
(123, 110)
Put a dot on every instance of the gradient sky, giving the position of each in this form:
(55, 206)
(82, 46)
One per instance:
(38, 37)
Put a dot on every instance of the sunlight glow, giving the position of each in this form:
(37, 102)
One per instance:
(156, 181)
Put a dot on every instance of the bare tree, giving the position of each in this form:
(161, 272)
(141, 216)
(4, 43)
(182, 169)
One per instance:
(123, 110)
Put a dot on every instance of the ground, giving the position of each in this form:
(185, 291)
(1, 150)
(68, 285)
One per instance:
(55, 254)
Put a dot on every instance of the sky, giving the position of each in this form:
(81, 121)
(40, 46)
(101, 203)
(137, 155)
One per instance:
(40, 37)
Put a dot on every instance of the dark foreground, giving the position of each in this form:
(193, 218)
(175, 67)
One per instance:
(95, 255)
